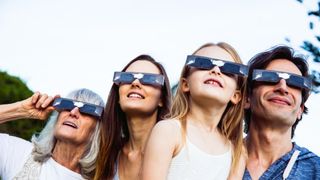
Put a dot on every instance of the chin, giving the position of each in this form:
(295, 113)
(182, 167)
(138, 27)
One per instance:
(214, 96)
(65, 136)
(134, 106)
(282, 118)
(134, 110)
(143, 111)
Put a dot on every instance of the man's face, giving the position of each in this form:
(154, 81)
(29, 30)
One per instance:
(276, 104)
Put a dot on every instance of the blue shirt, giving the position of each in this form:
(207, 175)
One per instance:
(307, 166)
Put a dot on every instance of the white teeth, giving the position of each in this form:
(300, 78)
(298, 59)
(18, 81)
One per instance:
(212, 82)
(133, 95)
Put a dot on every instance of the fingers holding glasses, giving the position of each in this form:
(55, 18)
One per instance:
(42, 98)
(38, 106)
(34, 97)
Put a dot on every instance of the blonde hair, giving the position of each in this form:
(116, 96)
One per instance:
(230, 124)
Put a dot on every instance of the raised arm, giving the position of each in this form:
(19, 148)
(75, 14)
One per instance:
(35, 107)
(161, 147)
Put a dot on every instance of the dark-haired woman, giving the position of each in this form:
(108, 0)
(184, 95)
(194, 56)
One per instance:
(138, 99)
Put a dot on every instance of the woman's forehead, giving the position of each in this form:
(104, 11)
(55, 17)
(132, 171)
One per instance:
(143, 66)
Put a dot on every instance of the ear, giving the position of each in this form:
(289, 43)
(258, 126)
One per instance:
(236, 97)
(300, 112)
(160, 104)
(247, 103)
(185, 85)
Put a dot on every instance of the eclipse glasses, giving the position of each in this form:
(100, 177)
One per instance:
(274, 77)
(61, 104)
(225, 67)
(144, 78)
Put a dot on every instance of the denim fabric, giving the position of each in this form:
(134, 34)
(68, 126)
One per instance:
(307, 166)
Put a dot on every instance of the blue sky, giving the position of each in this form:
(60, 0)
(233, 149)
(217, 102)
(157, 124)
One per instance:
(57, 46)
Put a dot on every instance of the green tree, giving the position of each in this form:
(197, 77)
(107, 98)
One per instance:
(13, 89)
(312, 46)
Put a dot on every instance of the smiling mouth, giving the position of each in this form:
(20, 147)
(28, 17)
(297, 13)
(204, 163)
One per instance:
(280, 101)
(213, 82)
(70, 124)
(135, 95)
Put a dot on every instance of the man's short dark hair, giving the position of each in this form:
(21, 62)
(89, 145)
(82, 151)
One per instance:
(262, 60)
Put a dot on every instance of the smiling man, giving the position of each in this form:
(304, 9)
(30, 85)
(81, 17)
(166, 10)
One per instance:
(278, 88)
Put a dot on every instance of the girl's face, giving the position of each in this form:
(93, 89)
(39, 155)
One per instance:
(204, 85)
(139, 99)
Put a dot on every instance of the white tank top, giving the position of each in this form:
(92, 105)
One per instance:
(191, 163)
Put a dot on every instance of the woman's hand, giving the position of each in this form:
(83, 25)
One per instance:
(38, 106)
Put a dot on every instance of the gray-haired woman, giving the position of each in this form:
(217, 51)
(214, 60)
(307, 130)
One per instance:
(66, 148)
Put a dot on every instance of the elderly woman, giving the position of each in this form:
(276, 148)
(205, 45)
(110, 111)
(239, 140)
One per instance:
(66, 148)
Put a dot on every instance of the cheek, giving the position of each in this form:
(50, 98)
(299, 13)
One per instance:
(155, 95)
(196, 75)
(90, 122)
(194, 81)
(62, 115)
(259, 97)
(59, 121)
(254, 98)
(122, 90)
(89, 127)
(232, 85)
(297, 96)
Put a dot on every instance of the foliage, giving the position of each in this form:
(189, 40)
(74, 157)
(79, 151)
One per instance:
(13, 89)
(313, 48)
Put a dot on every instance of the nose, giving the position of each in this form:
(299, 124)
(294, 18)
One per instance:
(215, 70)
(282, 87)
(136, 83)
(75, 112)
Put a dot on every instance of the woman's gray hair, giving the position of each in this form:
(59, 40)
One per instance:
(45, 141)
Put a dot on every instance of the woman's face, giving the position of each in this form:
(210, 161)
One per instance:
(212, 84)
(75, 127)
(139, 99)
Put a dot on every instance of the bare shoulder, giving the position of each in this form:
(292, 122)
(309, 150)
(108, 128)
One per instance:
(160, 149)
(168, 125)
(168, 131)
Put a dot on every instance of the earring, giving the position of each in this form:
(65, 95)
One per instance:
(122, 133)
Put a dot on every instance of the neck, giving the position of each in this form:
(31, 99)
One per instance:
(139, 130)
(208, 117)
(267, 144)
(68, 155)
(131, 156)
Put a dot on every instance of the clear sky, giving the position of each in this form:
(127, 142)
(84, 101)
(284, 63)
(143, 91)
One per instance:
(57, 46)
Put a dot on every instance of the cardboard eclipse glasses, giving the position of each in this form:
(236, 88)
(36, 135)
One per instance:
(61, 104)
(274, 77)
(225, 67)
(144, 78)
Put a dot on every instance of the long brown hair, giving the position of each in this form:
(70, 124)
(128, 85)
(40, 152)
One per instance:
(114, 129)
(230, 124)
